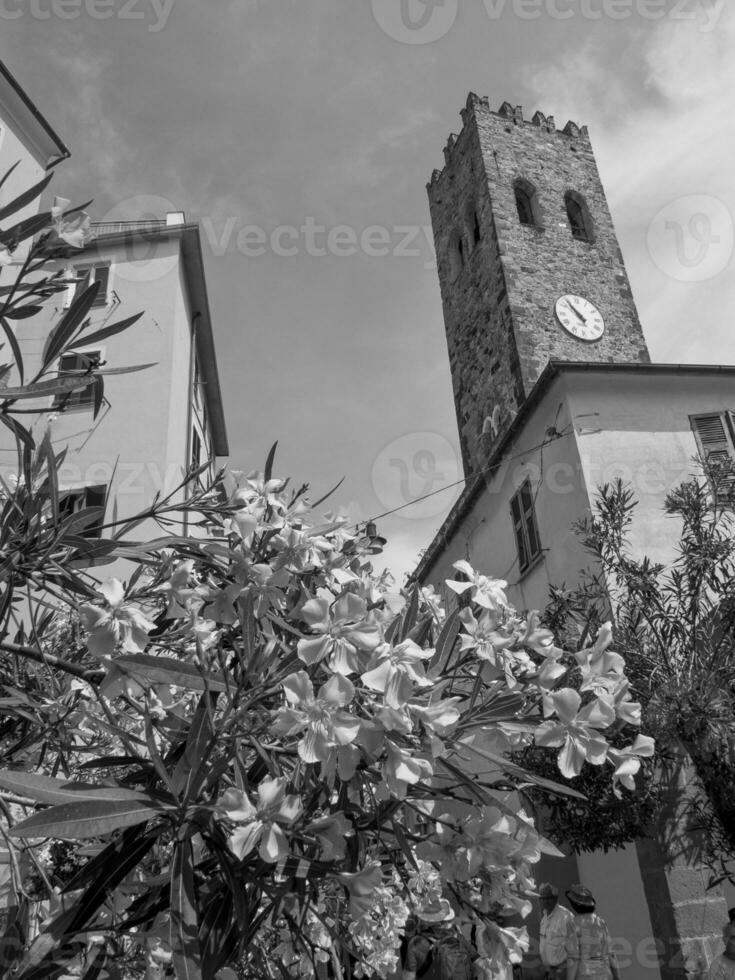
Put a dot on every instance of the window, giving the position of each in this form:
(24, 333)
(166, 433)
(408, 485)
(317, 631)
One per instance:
(579, 218)
(527, 203)
(456, 253)
(77, 364)
(524, 525)
(715, 435)
(75, 501)
(90, 274)
(476, 230)
(472, 223)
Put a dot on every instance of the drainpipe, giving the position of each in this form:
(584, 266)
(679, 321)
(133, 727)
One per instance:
(190, 406)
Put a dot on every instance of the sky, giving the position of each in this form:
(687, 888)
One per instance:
(301, 135)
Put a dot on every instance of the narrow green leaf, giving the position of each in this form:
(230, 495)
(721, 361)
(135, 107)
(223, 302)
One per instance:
(215, 932)
(155, 755)
(131, 369)
(18, 430)
(25, 198)
(269, 462)
(403, 843)
(327, 495)
(8, 172)
(114, 761)
(52, 386)
(46, 452)
(114, 328)
(98, 395)
(409, 617)
(83, 519)
(190, 770)
(69, 323)
(79, 207)
(21, 312)
(91, 818)
(25, 229)
(249, 630)
(104, 873)
(166, 670)
(95, 963)
(12, 340)
(446, 641)
(46, 789)
(184, 936)
(513, 770)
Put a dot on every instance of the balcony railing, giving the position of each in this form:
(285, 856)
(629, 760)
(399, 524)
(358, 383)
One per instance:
(117, 227)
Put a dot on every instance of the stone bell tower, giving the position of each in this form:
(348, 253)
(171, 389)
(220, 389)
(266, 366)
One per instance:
(529, 264)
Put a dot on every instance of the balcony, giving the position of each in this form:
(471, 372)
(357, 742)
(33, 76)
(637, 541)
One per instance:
(119, 227)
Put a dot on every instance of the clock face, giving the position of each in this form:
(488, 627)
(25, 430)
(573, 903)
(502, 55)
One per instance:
(579, 317)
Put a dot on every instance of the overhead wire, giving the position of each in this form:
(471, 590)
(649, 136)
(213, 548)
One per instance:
(471, 476)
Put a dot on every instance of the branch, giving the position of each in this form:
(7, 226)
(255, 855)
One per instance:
(93, 676)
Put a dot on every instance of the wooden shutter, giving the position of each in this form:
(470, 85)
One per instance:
(75, 363)
(83, 276)
(715, 441)
(517, 514)
(102, 276)
(530, 520)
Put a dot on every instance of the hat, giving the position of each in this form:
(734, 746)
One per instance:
(582, 897)
(546, 890)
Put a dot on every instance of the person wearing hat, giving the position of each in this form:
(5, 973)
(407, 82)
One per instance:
(589, 956)
(555, 923)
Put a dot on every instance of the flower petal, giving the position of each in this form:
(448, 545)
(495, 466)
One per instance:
(338, 690)
(243, 839)
(113, 591)
(566, 704)
(273, 844)
(313, 649)
(298, 688)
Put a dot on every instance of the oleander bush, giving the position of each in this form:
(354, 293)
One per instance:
(245, 749)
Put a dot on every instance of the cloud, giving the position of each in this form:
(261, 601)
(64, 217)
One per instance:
(106, 154)
(659, 131)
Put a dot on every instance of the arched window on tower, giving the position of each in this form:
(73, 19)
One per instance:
(456, 253)
(473, 225)
(578, 215)
(527, 203)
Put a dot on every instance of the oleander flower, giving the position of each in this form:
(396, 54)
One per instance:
(326, 726)
(341, 633)
(75, 230)
(399, 669)
(627, 762)
(486, 592)
(118, 623)
(260, 823)
(576, 730)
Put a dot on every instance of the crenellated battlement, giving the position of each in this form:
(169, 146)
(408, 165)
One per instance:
(520, 221)
(513, 115)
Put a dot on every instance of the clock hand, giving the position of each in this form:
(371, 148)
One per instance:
(574, 309)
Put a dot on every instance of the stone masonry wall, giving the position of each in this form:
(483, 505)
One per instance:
(499, 296)
(687, 916)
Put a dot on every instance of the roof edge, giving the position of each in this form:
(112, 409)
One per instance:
(552, 371)
(63, 151)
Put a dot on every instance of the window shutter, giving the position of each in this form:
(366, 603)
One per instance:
(517, 514)
(75, 363)
(102, 276)
(83, 276)
(713, 433)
